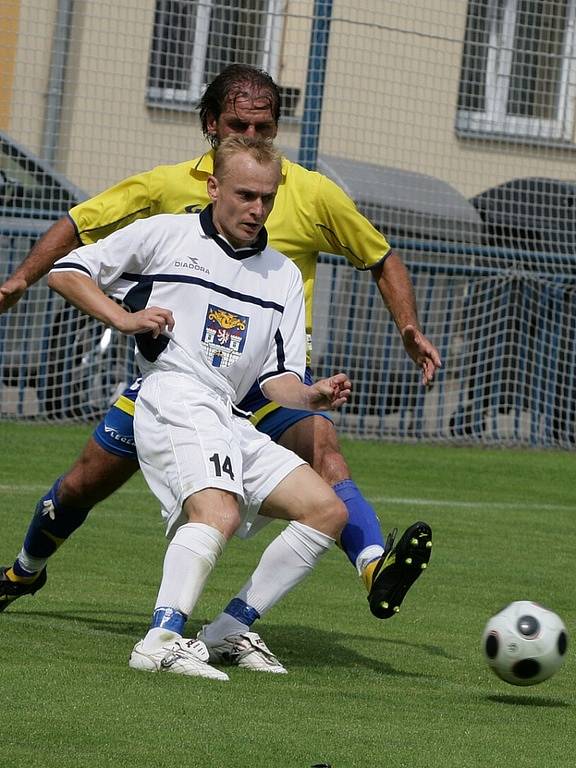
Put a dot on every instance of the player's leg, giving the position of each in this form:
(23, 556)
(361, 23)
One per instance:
(317, 517)
(387, 571)
(189, 560)
(194, 468)
(313, 438)
(107, 461)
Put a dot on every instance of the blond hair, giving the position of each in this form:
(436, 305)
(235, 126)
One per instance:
(260, 149)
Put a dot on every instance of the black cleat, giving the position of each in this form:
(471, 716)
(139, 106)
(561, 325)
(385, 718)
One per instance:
(398, 569)
(12, 590)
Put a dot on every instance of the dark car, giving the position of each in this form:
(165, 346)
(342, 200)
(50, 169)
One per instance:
(54, 361)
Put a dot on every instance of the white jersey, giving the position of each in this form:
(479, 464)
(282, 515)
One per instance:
(239, 314)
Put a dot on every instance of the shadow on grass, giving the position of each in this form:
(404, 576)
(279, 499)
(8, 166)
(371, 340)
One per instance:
(297, 646)
(94, 620)
(301, 647)
(528, 701)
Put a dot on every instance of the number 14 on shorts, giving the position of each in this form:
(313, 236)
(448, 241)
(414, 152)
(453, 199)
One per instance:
(222, 465)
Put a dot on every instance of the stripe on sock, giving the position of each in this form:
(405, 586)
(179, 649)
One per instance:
(242, 612)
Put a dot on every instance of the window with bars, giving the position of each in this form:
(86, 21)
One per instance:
(193, 40)
(518, 75)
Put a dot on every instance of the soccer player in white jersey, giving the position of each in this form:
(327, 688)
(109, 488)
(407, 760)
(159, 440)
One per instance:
(311, 215)
(211, 305)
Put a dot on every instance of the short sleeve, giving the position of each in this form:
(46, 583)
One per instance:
(113, 209)
(344, 231)
(287, 353)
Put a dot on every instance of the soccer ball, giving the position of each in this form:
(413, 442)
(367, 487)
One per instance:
(525, 643)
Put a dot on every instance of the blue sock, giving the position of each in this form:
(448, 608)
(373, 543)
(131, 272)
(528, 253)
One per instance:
(241, 611)
(52, 524)
(363, 528)
(169, 618)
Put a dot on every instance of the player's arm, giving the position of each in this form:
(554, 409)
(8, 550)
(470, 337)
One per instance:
(322, 395)
(81, 291)
(350, 234)
(396, 289)
(86, 223)
(56, 242)
(281, 379)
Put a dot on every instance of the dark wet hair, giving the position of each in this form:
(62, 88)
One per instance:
(234, 82)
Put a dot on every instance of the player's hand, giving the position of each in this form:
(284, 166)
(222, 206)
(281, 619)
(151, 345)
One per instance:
(11, 292)
(331, 393)
(423, 352)
(152, 319)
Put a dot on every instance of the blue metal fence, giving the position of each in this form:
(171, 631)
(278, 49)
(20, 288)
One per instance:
(507, 336)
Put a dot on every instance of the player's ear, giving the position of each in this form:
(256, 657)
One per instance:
(211, 124)
(212, 187)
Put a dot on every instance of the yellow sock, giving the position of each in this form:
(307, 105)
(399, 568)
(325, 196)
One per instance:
(11, 576)
(368, 573)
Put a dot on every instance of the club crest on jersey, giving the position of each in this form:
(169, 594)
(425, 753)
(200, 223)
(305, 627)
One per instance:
(224, 336)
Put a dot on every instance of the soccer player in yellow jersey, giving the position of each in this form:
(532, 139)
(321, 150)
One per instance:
(311, 214)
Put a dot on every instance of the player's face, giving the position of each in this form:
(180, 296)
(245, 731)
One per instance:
(243, 198)
(245, 117)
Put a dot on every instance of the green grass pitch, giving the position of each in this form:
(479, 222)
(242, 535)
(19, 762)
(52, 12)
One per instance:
(413, 691)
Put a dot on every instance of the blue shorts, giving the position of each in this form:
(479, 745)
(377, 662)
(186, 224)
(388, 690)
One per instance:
(115, 433)
(272, 419)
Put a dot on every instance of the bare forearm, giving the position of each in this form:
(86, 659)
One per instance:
(58, 241)
(395, 287)
(287, 391)
(84, 294)
(322, 395)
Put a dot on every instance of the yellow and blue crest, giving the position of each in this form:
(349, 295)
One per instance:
(224, 336)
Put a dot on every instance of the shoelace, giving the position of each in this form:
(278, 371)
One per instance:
(263, 648)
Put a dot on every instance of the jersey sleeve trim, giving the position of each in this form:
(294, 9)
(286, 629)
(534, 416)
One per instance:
(377, 264)
(281, 361)
(70, 266)
(276, 374)
(352, 258)
(76, 230)
(117, 223)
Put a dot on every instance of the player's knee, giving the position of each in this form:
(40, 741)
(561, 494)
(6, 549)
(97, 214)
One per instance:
(331, 465)
(75, 487)
(217, 509)
(327, 514)
(95, 475)
(328, 460)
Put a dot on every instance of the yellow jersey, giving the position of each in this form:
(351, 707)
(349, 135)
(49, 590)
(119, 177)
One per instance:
(311, 214)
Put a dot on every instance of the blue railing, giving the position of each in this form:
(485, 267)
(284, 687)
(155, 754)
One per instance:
(506, 335)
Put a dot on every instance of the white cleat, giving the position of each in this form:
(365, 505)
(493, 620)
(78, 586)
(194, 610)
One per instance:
(182, 656)
(246, 650)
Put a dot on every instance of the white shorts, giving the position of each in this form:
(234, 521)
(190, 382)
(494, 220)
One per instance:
(188, 439)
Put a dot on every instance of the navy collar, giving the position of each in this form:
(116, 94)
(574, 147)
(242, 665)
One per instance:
(241, 253)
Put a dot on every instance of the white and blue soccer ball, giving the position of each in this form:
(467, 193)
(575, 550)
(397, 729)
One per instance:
(525, 643)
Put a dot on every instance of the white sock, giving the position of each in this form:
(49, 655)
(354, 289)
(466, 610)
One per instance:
(285, 562)
(189, 560)
(30, 563)
(368, 554)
